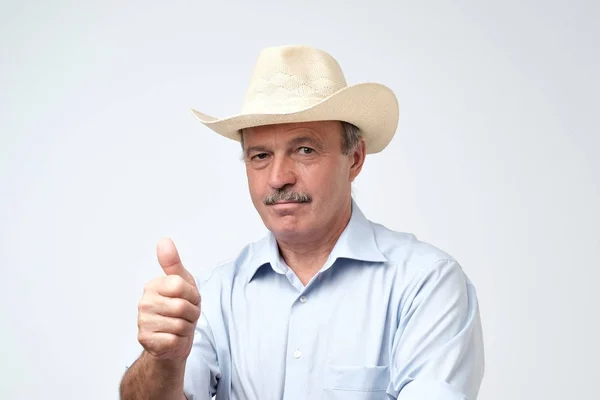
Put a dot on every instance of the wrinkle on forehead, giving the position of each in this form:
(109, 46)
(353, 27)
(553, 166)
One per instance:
(317, 129)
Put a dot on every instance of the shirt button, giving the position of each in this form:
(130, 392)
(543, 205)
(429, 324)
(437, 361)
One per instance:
(303, 299)
(297, 354)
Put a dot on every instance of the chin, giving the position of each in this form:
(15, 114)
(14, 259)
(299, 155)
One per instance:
(288, 220)
(287, 226)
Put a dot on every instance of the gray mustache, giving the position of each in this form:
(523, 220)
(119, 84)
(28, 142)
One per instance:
(285, 195)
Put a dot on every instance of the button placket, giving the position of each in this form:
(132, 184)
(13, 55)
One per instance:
(298, 359)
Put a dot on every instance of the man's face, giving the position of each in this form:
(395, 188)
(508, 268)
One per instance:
(298, 176)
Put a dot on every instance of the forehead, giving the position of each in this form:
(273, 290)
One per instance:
(323, 130)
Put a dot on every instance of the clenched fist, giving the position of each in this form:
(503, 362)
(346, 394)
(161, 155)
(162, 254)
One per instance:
(169, 308)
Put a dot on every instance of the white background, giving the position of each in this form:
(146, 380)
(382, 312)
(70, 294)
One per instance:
(495, 161)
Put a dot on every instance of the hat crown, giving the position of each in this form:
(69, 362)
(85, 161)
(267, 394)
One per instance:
(288, 78)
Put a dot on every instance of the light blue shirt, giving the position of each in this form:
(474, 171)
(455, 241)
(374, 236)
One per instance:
(387, 317)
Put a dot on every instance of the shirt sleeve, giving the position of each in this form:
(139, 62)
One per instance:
(437, 353)
(202, 370)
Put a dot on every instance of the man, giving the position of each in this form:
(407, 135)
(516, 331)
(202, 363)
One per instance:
(329, 305)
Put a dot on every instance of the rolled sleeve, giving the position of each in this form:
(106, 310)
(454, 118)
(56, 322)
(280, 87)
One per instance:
(437, 352)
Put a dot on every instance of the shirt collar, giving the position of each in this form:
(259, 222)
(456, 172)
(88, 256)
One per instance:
(357, 242)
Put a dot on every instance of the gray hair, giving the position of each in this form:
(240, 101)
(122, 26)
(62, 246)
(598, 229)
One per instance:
(350, 137)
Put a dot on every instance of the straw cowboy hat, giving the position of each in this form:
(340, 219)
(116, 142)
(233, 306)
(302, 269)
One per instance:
(301, 84)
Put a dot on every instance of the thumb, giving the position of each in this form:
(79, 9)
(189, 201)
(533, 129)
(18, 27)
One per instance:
(170, 262)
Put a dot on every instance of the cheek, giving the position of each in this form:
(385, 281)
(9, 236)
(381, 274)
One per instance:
(339, 180)
(258, 186)
(325, 178)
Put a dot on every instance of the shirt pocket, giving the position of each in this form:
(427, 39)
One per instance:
(355, 382)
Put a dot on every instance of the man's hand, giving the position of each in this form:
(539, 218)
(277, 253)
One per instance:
(169, 308)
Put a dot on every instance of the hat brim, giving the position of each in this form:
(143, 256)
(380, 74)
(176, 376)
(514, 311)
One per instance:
(372, 107)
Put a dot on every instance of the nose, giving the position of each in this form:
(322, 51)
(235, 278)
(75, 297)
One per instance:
(282, 172)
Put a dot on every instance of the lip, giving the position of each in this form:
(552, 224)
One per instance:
(287, 204)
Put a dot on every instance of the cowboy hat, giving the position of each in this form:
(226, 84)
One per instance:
(301, 84)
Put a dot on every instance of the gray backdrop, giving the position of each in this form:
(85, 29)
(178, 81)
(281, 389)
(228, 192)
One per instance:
(495, 161)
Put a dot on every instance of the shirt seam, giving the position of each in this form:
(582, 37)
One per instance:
(420, 273)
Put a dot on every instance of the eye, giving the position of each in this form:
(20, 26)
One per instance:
(306, 150)
(260, 156)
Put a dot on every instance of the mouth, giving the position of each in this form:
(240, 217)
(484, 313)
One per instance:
(283, 203)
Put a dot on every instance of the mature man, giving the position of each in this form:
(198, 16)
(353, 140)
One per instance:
(329, 305)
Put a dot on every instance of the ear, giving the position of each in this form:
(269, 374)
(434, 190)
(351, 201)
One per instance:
(358, 159)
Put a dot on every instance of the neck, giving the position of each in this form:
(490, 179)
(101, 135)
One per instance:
(306, 257)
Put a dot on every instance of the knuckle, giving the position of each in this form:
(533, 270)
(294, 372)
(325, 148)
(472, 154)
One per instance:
(196, 313)
(197, 297)
(175, 284)
(143, 338)
(181, 326)
(145, 304)
(150, 285)
(171, 341)
(179, 307)
(142, 321)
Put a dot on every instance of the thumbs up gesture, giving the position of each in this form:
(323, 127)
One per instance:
(169, 308)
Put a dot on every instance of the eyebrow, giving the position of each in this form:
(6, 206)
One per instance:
(314, 142)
